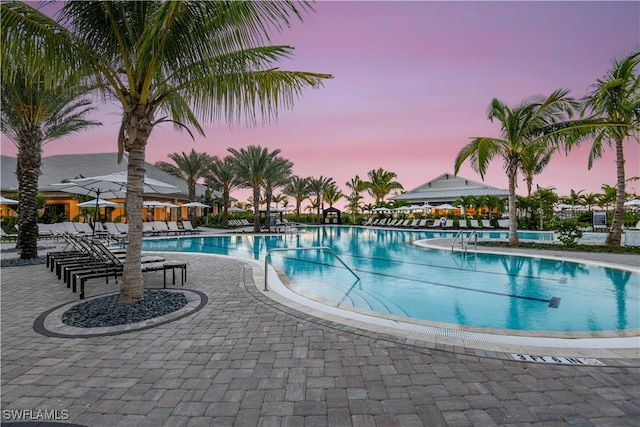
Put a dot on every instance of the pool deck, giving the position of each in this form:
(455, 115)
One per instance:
(248, 359)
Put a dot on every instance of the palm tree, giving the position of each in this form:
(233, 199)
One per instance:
(189, 168)
(522, 131)
(534, 162)
(356, 185)
(590, 200)
(174, 61)
(614, 104)
(277, 174)
(298, 188)
(332, 194)
(251, 164)
(318, 186)
(608, 197)
(33, 114)
(381, 183)
(222, 177)
(466, 202)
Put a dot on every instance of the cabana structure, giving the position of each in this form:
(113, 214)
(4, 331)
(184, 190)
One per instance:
(331, 216)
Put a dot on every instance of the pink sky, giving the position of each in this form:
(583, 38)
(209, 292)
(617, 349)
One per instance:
(412, 83)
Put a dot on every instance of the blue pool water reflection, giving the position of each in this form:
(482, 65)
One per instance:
(400, 278)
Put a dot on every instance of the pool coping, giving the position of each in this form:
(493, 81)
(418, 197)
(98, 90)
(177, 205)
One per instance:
(571, 345)
(616, 347)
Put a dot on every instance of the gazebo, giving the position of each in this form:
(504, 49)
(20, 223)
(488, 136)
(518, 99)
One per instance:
(331, 216)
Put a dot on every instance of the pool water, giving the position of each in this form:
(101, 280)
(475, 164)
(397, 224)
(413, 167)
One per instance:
(403, 279)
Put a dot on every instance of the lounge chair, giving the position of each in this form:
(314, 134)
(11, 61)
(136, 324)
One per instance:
(173, 228)
(83, 228)
(420, 224)
(486, 224)
(148, 229)
(189, 228)
(503, 223)
(462, 223)
(8, 236)
(122, 227)
(448, 224)
(151, 263)
(436, 223)
(474, 223)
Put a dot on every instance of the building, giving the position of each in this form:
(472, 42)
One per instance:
(447, 188)
(65, 167)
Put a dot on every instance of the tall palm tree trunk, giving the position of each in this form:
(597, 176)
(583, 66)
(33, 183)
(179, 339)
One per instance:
(513, 220)
(138, 127)
(225, 209)
(28, 172)
(615, 233)
(256, 209)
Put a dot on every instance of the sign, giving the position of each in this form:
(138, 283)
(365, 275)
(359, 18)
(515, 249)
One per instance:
(599, 220)
(557, 360)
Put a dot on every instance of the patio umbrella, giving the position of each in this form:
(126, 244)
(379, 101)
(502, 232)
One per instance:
(113, 186)
(194, 205)
(101, 203)
(6, 201)
(445, 206)
(382, 209)
(634, 202)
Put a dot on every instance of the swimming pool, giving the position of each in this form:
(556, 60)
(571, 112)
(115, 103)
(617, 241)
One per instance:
(401, 279)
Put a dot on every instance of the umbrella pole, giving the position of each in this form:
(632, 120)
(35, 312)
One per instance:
(95, 213)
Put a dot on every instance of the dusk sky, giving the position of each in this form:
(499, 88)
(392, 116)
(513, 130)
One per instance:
(412, 84)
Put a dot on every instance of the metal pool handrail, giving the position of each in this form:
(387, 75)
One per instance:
(309, 248)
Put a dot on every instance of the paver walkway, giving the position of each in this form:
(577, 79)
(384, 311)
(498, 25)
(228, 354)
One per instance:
(244, 360)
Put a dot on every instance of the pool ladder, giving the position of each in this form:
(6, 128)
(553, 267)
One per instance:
(309, 248)
(465, 245)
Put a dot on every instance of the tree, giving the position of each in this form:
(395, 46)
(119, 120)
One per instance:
(332, 194)
(165, 61)
(522, 130)
(381, 183)
(298, 188)
(277, 174)
(251, 164)
(32, 115)
(466, 202)
(189, 168)
(614, 104)
(317, 187)
(534, 162)
(222, 176)
(356, 185)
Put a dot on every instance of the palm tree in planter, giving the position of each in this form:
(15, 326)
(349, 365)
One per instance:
(189, 168)
(521, 131)
(222, 177)
(164, 61)
(33, 114)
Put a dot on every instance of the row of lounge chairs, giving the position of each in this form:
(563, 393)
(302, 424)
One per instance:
(435, 223)
(84, 258)
(115, 230)
(157, 228)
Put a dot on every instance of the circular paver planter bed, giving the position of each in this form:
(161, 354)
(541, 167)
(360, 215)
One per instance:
(106, 311)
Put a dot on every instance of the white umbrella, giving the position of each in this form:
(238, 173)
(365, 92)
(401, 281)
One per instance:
(234, 209)
(445, 206)
(634, 202)
(6, 201)
(382, 209)
(194, 205)
(113, 186)
(101, 203)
